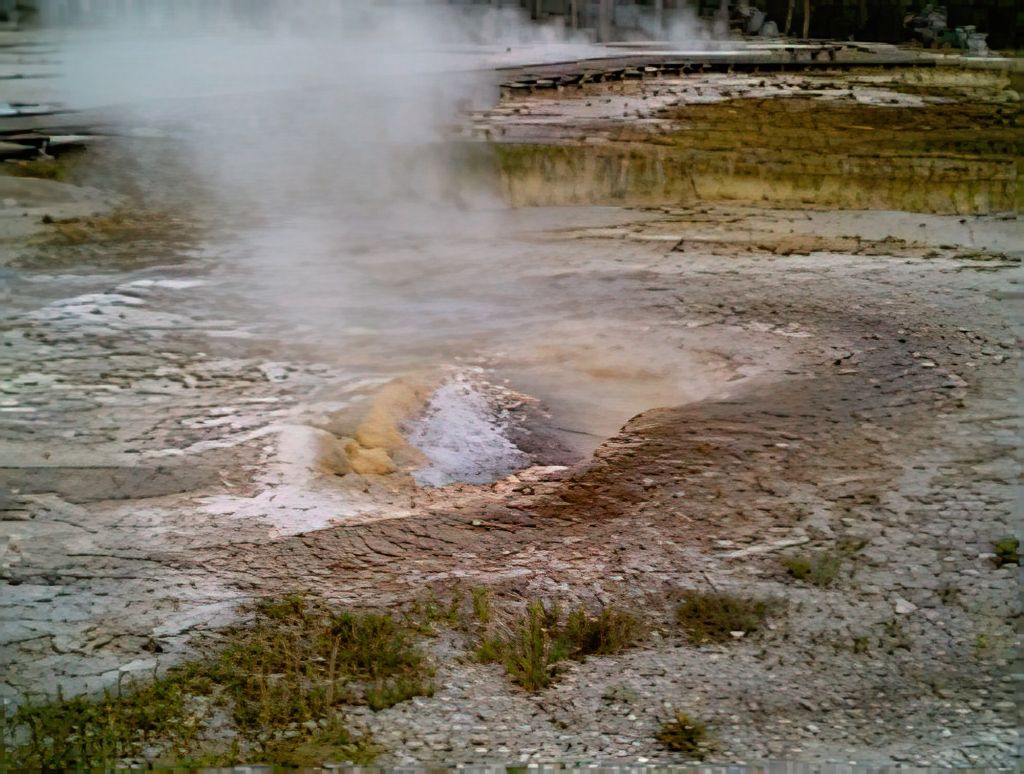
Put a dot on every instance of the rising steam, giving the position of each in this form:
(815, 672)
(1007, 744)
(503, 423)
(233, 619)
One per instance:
(314, 123)
(315, 127)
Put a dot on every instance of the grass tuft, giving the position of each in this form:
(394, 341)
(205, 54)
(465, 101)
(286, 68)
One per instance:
(687, 736)
(819, 568)
(426, 611)
(532, 644)
(282, 680)
(1007, 551)
(284, 608)
(387, 693)
(531, 651)
(482, 605)
(85, 732)
(611, 631)
(44, 168)
(334, 744)
(713, 617)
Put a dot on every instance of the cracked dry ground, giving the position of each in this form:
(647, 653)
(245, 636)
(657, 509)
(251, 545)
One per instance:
(892, 430)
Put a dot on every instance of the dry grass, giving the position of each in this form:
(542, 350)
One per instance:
(482, 605)
(88, 733)
(819, 569)
(283, 681)
(44, 168)
(1007, 551)
(687, 736)
(531, 644)
(713, 616)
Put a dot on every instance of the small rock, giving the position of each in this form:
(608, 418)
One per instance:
(903, 607)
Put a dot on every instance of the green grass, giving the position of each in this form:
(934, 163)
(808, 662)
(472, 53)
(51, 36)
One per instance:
(684, 735)
(820, 568)
(387, 693)
(531, 651)
(97, 733)
(57, 169)
(713, 617)
(283, 680)
(335, 743)
(532, 643)
(482, 605)
(609, 632)
(425, 612)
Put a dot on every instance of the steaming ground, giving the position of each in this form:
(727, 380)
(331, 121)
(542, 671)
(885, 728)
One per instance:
(205, 401)
(828, 395)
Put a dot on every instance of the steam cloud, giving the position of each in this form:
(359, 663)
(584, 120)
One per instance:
(319, 121)
(343, 94)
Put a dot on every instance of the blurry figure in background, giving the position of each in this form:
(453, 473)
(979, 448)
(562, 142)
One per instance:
(720, 25)
(745, 19)
(975, 42)
(930, 28)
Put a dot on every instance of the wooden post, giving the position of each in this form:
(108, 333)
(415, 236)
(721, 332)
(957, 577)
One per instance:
(807, 19)
(789, 17)
(574, 14)
(659, 17)
(605, 17)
